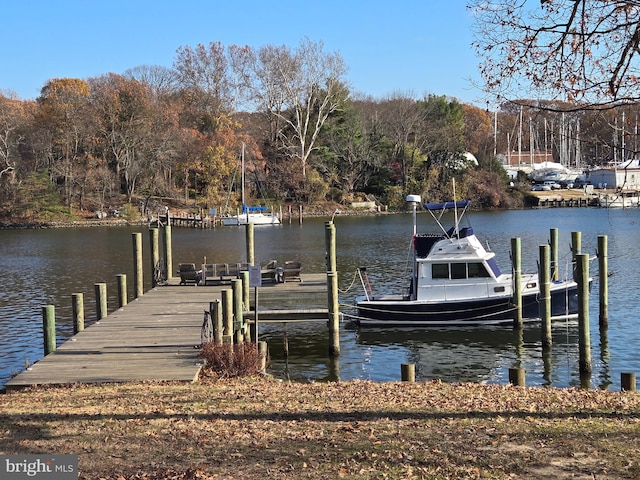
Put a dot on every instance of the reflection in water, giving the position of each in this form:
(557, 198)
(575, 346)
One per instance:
(476, 355)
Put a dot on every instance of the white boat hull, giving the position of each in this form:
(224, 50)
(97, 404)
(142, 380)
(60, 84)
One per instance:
(619, 199)
(250, 218)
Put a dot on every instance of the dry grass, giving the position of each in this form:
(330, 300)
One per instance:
(227, 360)
(256, 428)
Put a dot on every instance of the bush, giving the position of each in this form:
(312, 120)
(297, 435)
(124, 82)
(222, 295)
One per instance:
(229, 361)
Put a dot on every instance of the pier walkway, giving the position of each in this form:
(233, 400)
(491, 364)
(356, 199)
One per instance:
(154, 336)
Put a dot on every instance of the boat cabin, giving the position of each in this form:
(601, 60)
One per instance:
(455, 266)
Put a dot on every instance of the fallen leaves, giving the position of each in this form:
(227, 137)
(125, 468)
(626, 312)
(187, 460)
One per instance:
(254, 428)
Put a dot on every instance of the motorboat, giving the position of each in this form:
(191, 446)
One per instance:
(456, 281)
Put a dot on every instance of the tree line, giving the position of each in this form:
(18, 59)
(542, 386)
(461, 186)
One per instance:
(176, 133)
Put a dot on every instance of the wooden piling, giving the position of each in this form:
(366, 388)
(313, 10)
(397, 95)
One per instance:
(263, 351)
(332, 290)
(582, 274)
(246, 291)
(628, 381)
(553, 242)
(227, 313)
(168, 255)
(300, 213)
(249, 237)
(285, 342)
(516, 261)
(138, 287)
(122, 290)
(101, 300)
(215, 310)
(545, 296)
(155, 254)
(238, 320)
(576, 248)
(517, 377)
(408, 372)
(49, 328)
(77, 307)
(603, 280)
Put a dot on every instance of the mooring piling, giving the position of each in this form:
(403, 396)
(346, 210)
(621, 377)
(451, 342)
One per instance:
(582, 274)
(603, 280)
(408, 372)
(516, 262)
(122, 289)
(138, 286)
(249, 238)
(517, 377)
(553, 243)
(332, 290)
(77, 307)
(628, 381)
(101, 300)
(155, 254)
(49, 328)
(545, 296)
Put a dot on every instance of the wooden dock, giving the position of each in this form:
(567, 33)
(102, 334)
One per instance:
(155, 336)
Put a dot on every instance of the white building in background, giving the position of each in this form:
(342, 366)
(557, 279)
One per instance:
(624, 176)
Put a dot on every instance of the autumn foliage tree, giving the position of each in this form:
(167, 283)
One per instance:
(156, 135)
(63, 114)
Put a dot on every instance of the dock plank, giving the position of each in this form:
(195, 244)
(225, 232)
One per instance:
(154, 337)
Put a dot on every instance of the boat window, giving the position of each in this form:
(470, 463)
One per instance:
(477, 270)
(440, 270)
(458, 270)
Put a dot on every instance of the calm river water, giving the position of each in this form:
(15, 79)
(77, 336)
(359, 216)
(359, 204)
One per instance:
(42, 267)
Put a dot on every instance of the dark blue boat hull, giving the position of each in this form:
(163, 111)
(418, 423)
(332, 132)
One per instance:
(564, 303)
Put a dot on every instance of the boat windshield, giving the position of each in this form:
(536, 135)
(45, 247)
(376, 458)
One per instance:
(493, 265)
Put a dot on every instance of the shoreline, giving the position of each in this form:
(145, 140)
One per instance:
(313, 211)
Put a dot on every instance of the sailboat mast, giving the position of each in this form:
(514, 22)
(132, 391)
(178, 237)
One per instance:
(242, 177)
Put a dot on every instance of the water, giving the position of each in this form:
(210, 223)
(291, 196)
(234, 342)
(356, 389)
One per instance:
(44, 267)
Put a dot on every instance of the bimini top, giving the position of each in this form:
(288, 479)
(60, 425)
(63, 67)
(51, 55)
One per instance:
(447, 205)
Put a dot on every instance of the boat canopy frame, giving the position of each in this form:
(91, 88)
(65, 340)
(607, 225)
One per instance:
(437, 211)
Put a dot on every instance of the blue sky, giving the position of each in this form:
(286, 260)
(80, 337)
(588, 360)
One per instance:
(417, 47)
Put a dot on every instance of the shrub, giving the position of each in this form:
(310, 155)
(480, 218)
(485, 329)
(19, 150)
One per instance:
(229, 361)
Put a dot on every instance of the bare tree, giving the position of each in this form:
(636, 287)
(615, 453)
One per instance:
(161, 80)
(300, 89)
(401, 122)
(204, 72)
(580, 51)
(10, 138)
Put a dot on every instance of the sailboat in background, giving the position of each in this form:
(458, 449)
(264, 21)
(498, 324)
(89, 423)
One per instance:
(250, 215)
